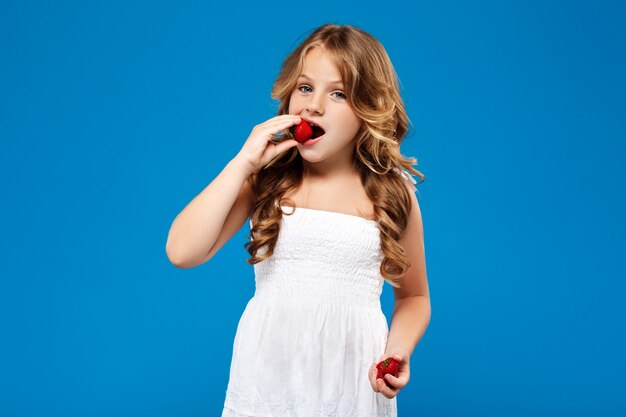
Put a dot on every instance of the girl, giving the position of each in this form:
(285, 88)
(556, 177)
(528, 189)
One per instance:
(330, 220)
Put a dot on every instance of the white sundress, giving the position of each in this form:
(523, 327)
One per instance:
(309, 335)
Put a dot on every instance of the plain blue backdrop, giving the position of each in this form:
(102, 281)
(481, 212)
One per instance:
(114, 115)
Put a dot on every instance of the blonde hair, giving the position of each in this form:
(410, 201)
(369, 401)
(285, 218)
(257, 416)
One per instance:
(372, 91)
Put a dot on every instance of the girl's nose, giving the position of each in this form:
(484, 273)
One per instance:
(313, 106)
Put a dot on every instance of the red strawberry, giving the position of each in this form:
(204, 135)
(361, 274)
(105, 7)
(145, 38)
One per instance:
(302, 132)
(388, 366)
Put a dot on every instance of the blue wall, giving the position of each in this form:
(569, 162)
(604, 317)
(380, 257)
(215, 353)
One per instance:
(114, 115)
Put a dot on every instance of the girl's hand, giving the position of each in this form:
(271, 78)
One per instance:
(258, 151)
(392, 385)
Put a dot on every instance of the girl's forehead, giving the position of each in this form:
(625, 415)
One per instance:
(320, 54)
(320, 61)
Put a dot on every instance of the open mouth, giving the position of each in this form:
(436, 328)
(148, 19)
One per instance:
(317, 131)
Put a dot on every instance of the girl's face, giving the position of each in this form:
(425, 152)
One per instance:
(319, 98)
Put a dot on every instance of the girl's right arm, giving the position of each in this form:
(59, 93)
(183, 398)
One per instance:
(221, 209)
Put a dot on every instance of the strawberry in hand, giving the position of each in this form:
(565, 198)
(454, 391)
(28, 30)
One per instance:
(388, 366)
(391, 374)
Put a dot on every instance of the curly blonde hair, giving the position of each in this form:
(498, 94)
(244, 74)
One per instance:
(372, 91)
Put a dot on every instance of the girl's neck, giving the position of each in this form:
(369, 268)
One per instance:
(317, 172)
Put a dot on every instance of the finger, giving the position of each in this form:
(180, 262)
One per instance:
(286, 115)
(396, 383)
(404, 375)
(384, 389)
(283, 146)
(372, 377)
(282, 123)
(280, 128)
(397, 356)
(273, 126)
(280, 120)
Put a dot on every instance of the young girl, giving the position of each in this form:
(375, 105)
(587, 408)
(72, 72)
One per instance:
(331, 219)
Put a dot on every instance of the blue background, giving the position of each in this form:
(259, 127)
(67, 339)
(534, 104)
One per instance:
(114, 116)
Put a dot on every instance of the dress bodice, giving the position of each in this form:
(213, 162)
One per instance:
(323, 254)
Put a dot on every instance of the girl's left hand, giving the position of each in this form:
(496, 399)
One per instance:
(391, 385)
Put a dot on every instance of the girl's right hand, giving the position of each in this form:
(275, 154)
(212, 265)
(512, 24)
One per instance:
(258, 150)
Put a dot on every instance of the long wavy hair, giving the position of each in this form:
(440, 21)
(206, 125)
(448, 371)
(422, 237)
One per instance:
(373, 93)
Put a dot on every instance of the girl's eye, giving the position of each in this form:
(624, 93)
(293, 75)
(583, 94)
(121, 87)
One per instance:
(341, 95)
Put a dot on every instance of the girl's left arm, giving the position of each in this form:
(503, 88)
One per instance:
(411, 312)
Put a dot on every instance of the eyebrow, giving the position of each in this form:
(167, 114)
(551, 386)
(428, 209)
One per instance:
(331, 83)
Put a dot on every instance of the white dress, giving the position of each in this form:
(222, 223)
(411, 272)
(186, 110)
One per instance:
(309, 335)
